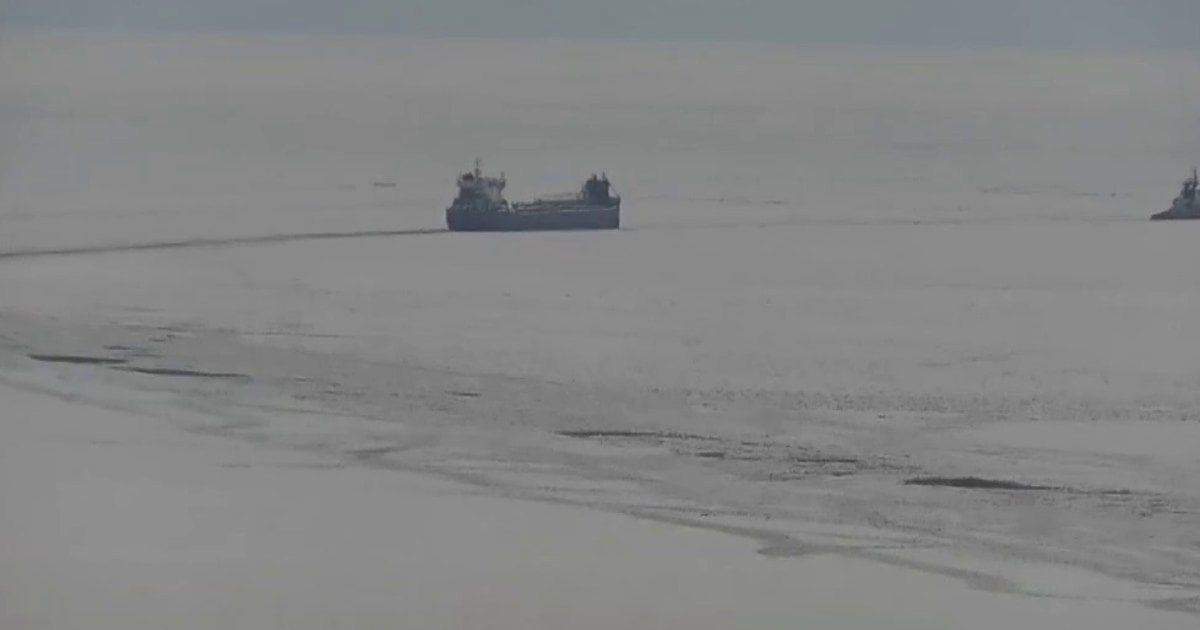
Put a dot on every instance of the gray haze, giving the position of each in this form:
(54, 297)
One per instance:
(1042, 23)
(849, 275)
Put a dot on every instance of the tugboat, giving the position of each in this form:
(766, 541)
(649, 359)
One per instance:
(480, 206)
(1185, 205)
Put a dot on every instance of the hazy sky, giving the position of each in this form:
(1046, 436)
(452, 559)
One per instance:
(1090, 23)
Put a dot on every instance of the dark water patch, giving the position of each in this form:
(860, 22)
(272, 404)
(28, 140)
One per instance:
(209, 242)
(975, 483)
(462, 394)
(774, 454)
(130, 351)
(823, 460)
(1177, 604)
(285, 333)
(632, 434)
(76, 359)
(374, 451)
(803, 467)
(751, 459)
(184, 373)
(312, 466)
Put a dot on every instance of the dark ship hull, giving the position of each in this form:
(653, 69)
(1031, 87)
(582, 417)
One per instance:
(481, 207)
(1178, 213)
(1186, 206)
(575, 218)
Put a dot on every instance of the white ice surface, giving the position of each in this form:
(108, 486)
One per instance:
(118, 519)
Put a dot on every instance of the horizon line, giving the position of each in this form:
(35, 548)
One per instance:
(612, 39)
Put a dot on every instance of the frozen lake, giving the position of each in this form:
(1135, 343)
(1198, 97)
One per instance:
(841, 271)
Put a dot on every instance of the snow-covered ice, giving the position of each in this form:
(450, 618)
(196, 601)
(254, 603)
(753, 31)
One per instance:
(120, 513)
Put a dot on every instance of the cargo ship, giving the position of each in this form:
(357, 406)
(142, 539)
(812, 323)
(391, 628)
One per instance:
(1185, 205)
(480, 206)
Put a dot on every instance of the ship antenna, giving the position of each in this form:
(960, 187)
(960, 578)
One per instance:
(478, 172)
